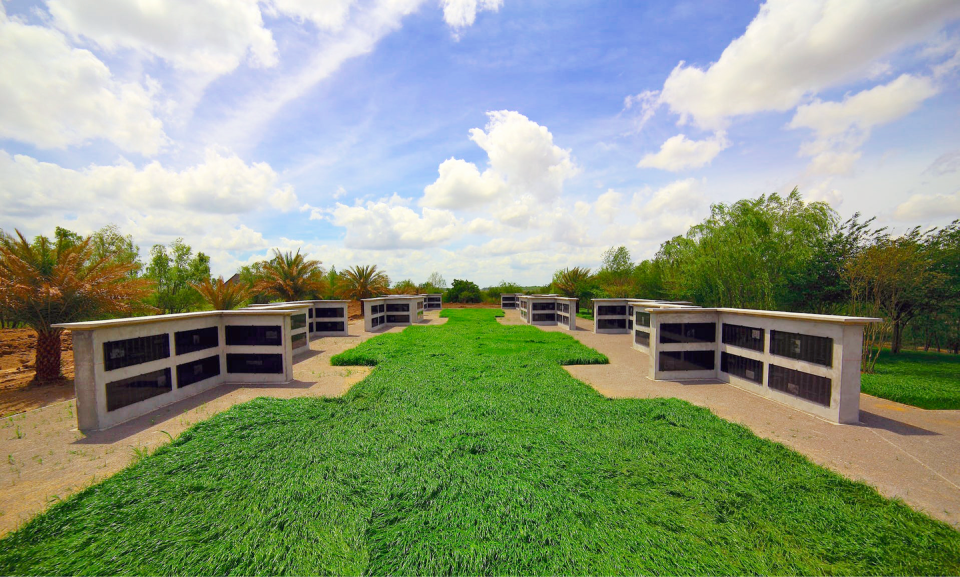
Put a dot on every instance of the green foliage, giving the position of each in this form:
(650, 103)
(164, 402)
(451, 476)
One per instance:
(363, 282)
(470, 450)
(463, 291)
(615, 276)
(289, 276)
(494, 292)
(436, 281)
(173, 271)
(748, 254)
(925, 380)
(405, 287)
(576, 282)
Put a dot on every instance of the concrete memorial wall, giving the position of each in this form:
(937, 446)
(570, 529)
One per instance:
(125, 368)
(548, 310)
(391, 311)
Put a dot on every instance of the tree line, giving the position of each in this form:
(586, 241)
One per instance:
(781, 253)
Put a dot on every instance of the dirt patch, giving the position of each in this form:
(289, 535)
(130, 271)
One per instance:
(18, 392)
(354, 310)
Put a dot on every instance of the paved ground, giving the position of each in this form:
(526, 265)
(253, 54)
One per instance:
(47, 458)
(905, 452)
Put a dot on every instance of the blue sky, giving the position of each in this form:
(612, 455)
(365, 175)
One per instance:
(484, 139)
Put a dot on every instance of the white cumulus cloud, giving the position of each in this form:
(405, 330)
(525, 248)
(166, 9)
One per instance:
(523, 163)
(461, 185)
(840, 128)
(390, 224)
(54, 95)
(795, 49)
(459, 14)
(210, 36)
(680, 153)
(924, 207)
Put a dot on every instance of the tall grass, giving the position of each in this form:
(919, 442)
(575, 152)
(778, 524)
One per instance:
(923, 379)
(469, 450)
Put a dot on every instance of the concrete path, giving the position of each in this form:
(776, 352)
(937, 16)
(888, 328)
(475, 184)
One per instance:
(48, 459)
(905, 452)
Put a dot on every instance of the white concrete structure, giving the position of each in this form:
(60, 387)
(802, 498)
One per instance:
(809, 362)
(616, 316)
(432, 301)
(126, 368)
(391, 311)
(325, 318)
(299, 328)
(548, 310)
(509, 301)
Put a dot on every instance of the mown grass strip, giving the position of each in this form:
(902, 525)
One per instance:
(469, 450)
(926, 380)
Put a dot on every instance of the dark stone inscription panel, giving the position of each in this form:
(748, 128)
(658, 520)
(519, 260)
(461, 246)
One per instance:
(129, 352)
(254, 363)
(253, 335)
(190, 373)
(126, 392)
(741, 336)
(196, 340)
(807, 348)
(749, 369)
(799, 384)
(329, 313)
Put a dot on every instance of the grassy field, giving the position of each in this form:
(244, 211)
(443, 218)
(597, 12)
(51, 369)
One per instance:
(926, 380)
(469, 450)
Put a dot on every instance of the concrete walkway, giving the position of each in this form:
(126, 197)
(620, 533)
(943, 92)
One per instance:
(905, 452)
(48, 459)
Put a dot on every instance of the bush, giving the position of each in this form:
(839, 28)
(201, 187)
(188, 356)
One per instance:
(463, 291)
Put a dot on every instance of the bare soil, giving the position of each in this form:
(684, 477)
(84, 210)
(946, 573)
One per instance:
(18, 391)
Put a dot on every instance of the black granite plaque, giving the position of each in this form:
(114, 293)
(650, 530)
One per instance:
(136, 351)
(132, 390)
(253, 335)
(254, 363)
(813, 388)
(190, 373)
(743, 336)
(196, 340)
(749, 369)
(807, 348)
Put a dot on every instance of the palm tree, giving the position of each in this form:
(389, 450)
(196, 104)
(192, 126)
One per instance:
(41, 285)
(363, 282)
(290, 277)
(406, 287)
(222, 296)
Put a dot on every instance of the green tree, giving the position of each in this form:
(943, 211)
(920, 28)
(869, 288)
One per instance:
(173, 272)
(494, 292)
(463, 291)
(364, 281)
(109, 243)
(437, 281)
(615, 276)
(220, 295)
(750, 254)
(405, 287)
(42, 285)
(290, 276)
(576, 282)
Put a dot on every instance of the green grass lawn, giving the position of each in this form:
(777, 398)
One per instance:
(469, 450)
(925, 380)
(585, 314)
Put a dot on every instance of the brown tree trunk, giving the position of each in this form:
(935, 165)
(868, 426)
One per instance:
(48, 356)
(897, 335)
